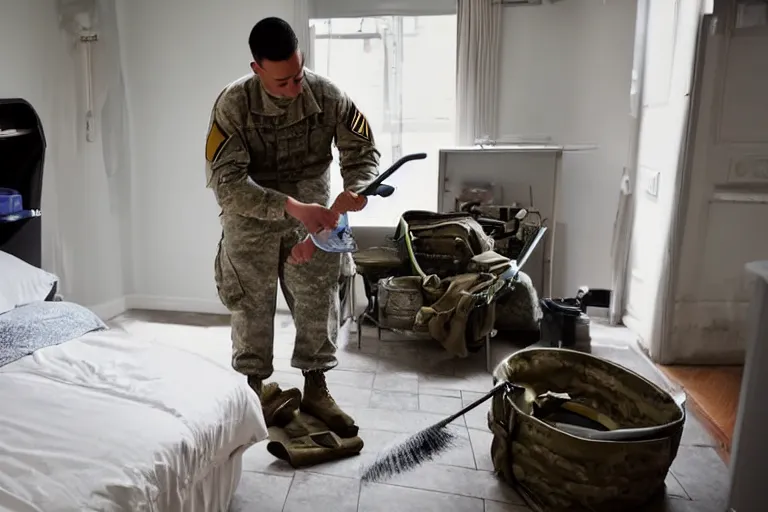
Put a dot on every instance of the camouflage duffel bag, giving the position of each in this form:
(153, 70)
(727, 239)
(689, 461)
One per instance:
(519, 310)
(443, 244)
(399, 300)
(619, 468)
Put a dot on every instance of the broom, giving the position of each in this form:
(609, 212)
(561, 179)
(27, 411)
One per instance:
(433, 441)
(425, 445)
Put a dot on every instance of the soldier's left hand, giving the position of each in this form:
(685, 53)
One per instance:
(349, 201)
(302, 252)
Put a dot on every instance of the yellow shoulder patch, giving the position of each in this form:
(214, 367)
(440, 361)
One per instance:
(215, 141)
(358, 124)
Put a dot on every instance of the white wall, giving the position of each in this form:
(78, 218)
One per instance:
(566, 74)
(175, 71)
(82, 207)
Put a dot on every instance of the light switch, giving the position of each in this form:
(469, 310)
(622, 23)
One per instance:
(652, 188)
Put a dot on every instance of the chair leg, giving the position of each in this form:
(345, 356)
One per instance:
(360, 319)
(488, 359)
(360, 332)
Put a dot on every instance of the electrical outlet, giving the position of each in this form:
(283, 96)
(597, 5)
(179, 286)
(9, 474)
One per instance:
(652, 188)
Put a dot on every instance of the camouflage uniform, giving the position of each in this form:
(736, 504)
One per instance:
(260, 150)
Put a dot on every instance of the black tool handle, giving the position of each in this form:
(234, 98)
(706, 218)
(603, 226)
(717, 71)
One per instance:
(498, 388)
(372, 189)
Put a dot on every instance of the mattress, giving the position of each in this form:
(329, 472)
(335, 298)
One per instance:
(109, 422)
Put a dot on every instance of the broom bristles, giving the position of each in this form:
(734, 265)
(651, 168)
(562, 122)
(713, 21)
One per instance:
(414, 451)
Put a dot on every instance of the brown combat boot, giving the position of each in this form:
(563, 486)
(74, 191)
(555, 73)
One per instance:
(256, 384)
(319, 403)
(278, 406)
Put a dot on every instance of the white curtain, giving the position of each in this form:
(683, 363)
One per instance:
(89, 156)
(301, 15)
(477, 69)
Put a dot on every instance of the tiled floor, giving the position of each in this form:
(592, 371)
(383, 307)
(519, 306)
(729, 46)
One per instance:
(394, 387)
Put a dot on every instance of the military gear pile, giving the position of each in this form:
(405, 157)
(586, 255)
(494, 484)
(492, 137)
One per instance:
(440, 279)
(616, 458)
(440, 298)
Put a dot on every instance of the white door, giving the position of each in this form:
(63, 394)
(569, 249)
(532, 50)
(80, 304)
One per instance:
(670, 48)
(725, 208)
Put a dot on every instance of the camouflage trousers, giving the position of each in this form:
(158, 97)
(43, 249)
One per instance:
(250, 261)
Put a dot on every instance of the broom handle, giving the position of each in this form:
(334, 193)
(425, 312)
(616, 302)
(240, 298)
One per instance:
(496, 390)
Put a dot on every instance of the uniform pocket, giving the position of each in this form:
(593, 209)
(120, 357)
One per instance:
(228, 285)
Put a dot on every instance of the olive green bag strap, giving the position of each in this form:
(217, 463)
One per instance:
(408, 238)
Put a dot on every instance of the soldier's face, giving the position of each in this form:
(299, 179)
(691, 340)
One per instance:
(281, 78)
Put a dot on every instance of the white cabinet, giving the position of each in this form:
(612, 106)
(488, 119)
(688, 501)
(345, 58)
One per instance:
(524, 174)
(749, 453)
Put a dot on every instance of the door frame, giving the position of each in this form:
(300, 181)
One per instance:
(659, 345)
(664, 307)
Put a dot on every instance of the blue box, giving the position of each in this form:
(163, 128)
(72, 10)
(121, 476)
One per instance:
(10, 201)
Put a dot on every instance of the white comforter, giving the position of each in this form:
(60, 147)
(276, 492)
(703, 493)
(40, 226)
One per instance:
(108, 422)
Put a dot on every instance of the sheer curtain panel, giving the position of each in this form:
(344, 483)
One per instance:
(477, 69)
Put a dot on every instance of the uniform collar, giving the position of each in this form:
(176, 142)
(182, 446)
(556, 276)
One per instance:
(304, 106)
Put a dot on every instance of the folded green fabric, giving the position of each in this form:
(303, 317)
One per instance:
(315, 448)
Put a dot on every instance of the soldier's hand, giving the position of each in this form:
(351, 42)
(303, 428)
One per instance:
(348, 201)
(315, 217)
(302, 252)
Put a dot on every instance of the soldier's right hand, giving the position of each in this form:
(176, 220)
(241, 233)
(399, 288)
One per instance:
(316, 218)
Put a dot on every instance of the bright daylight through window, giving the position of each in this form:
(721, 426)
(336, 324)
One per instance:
(401, 73)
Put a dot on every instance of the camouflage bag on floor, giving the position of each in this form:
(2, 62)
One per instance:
(443, 244)
(399, 300)
(519, 310)
(557, 471)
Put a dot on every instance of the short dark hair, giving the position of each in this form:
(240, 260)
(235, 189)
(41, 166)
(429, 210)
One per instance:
(272, 39)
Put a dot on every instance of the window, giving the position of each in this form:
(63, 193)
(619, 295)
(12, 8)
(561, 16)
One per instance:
(401, 73)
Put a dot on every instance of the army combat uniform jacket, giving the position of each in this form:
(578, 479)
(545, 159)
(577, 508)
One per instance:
(258, 153)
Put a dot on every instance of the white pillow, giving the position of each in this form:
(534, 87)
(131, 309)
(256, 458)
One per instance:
(22, 283)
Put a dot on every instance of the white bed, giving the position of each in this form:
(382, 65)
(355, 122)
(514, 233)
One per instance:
(109, 422)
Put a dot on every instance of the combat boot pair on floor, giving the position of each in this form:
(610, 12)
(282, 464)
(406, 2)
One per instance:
(309, 430)
(277, 405)
(280, 406)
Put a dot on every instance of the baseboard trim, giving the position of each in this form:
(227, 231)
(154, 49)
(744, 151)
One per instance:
(110, 309)
(180, 304)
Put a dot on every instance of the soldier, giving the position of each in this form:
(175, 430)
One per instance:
(268, 156)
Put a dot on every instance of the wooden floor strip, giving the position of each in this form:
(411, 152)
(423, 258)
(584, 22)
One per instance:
(713, 392)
